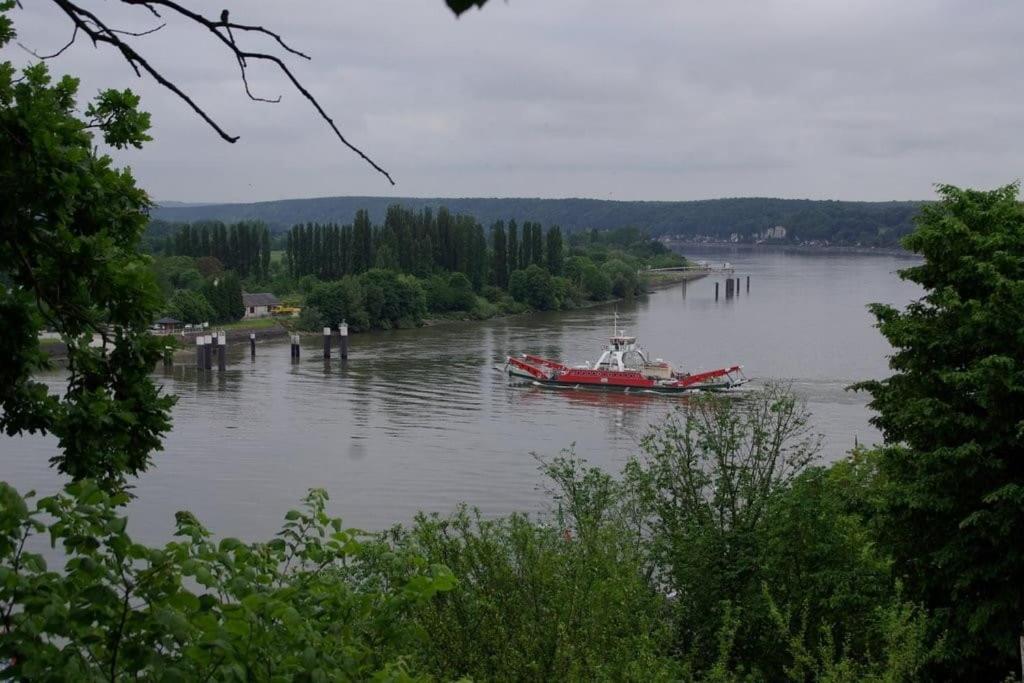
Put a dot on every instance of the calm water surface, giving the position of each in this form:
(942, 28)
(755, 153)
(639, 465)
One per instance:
(420, 420)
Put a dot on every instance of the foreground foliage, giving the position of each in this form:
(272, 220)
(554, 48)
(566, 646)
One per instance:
(69, 226)
(720, 554)
(953, 418)
(198, 609)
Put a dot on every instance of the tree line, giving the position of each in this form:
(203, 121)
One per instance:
(840, 222)
(421, 243)
(242, 247)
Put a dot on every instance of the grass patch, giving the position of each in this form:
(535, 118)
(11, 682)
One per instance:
(250, 324)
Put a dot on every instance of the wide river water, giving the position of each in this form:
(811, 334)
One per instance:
(420, 419)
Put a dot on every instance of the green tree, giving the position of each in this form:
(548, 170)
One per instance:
(265, 253)
(952, 415)
(339, 301)
(537, 244)
(513, 247)
(70, 224)
(224, 293)
(198, 608)
(533, 287)
(555, 254)
(362, 242)
(190, 307)
(499, 256)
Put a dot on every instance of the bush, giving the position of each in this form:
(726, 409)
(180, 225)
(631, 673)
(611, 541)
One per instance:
(224, 292)
(592, 282)
(624, 282)
(196, 609)
(537, 602)
(335, 302)
(391, 299)
(307, 283)
(533, 287)
(310, 319)
(446, 293)
(190, 307)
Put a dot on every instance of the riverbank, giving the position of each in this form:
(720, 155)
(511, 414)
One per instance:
(280, 328)
(819, 249)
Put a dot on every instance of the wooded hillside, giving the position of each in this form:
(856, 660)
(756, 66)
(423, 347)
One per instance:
(869, 223)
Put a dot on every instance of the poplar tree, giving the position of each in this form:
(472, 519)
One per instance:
(513, 247)
(537, 245)
(499, 256)
(362, 242)
(555, 254)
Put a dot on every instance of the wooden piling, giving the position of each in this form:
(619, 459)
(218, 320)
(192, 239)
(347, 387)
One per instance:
(748, 284)
(199, 352)
(295, 347)
(222, 355)
(327, 343)
(168, 356)
(208, 353)
(252, 345)
(716, 291)
(729, 284)
(343, 339)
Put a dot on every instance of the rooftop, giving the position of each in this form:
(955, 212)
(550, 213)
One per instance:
(259, 299)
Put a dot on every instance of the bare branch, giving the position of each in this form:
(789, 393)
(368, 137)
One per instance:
(101, 34)
(222, 28)
(74, 34)
(140, 33)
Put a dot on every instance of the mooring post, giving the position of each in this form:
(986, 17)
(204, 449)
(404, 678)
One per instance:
(168, 356)
(343, 335)
(1022, 650)
(199, 352)
(716, 291)
(295, 347)
(252, 345)
(748, 284)
(222, 356)
(209, 351)
(728, 288)
(327, 343)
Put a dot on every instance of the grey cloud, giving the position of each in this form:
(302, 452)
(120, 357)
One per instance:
(655, 100)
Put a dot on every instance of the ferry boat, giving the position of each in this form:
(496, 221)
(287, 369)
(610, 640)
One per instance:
(623, 366)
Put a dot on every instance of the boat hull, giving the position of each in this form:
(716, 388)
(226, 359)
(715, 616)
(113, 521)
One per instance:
(653, 389)
(547, 373)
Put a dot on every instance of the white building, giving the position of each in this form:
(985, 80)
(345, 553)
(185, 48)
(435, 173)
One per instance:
(259, 304)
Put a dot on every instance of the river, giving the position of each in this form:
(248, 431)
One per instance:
(420, 420)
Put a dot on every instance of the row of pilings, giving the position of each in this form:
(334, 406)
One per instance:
(732, 287)
(213, 348)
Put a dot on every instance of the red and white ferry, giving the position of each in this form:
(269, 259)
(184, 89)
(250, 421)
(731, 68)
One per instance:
(624, 366)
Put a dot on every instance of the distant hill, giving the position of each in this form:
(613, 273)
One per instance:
(877, 223)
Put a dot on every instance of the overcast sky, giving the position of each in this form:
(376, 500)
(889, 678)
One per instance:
(673, 99)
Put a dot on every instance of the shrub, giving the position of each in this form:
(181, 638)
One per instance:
(335, 302)
(196, 609)
(190, 307)
(533, 287)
